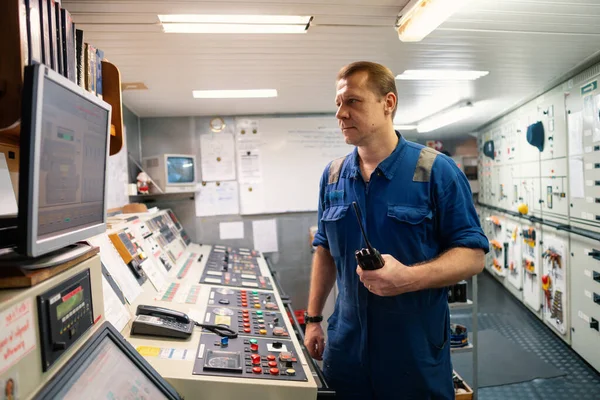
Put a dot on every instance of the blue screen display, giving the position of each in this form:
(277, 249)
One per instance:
(180, 170)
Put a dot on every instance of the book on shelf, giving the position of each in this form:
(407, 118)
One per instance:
(50, 5)
(68, 39)
(90, 66)
(59, 39)
(34, 31)
(79, 55)
(45, 32)
(99, 57)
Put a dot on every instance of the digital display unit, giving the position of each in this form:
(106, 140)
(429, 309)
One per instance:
(107, 367)
(180, 170)
(64, 151)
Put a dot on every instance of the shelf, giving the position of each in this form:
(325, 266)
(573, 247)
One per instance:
(465, 349)
(162, 197)
(461, 305)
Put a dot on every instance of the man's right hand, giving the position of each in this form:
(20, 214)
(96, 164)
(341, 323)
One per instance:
(314, 340)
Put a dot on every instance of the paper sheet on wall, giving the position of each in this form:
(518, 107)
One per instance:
(231, 230)
(8, 201)
(265, 235)
(217, 156)
(577, 179)
(117, 268)
(249, 166)
(117, 177)
(217, 198)
(252, 198)
(114, 311)
(575, 133)
(596, 118)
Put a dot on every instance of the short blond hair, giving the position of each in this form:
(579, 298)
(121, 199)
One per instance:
(380, 78)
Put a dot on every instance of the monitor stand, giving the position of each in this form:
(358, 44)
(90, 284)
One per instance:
(12, 259)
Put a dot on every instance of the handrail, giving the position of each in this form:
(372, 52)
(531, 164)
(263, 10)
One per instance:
(561, 227)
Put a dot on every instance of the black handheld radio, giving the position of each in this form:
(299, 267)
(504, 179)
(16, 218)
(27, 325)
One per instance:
(368, 258)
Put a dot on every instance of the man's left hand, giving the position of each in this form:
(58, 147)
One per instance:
(392, 279)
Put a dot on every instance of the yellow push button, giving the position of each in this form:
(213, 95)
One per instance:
(263, 331)
(257, 305)
(290, 371)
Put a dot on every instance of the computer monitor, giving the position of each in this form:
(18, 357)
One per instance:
(172, 172)
(65, 133)
(107, 367)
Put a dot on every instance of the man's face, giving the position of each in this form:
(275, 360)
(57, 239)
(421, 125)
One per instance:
(360, 112)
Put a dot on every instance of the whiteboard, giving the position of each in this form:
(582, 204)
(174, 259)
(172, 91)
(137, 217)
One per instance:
(289, 156)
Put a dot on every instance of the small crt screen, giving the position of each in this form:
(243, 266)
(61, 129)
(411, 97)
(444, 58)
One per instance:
(180, 170)
(108, 373)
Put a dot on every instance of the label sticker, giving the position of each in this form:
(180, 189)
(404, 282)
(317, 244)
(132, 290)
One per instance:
(17, 333)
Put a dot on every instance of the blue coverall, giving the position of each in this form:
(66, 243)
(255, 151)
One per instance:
(416, 205)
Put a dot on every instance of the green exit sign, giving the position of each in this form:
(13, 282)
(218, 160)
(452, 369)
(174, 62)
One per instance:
(590, 87)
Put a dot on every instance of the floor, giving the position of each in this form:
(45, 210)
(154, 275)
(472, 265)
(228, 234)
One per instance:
(500, 311)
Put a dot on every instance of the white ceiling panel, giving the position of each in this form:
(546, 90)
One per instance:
(525, 44)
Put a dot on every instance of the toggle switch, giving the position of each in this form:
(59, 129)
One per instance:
(596, 276)
(594, 324)
(597, 298)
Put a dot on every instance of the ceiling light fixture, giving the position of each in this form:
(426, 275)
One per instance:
(440, 75)
(421, 17)
(200, 23)
(405, 127)
(234, 94)
(446, 117)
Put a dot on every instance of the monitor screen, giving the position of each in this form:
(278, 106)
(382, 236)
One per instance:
(108, 373)
(180, 169)
(72, 161)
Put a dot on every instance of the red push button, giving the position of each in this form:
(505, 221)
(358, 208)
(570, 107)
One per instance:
(257, 370)
(254, 347)
(246, 324)
(274, 371)
(271, 357)
(255, 358)
(247, 330)
(272, 364)
(246, 319)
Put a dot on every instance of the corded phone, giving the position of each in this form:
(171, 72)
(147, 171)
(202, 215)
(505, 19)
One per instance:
(158, 321)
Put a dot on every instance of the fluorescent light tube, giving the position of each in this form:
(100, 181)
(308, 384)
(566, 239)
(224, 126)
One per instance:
(447, 117)
(440, 75)
(232, 28)
(421, 17)
(235, 19)
(234, 94)
(405, 127)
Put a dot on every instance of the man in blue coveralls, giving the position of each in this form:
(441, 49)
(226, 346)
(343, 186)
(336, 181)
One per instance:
(388, 337)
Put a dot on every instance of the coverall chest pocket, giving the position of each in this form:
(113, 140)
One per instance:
(411, 229)
(334, 219)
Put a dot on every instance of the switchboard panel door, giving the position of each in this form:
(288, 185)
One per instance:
(530, 247)
(554, 181)
(497, 244)
(551, 112)
(515, 255)
(585, 312)
(555, 281)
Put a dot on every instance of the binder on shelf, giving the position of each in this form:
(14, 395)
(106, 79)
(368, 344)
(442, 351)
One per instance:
(50, 5)
(59, 40)
(90, 68)
(79, 50)
(99, 57)
(34, 31)
(45, 32)
(23, 32)
(68, 40)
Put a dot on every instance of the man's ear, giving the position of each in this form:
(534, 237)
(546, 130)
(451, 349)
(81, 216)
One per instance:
(390, 100)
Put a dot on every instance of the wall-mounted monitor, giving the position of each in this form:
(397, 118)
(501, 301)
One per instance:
(65, 133)
(173, 173)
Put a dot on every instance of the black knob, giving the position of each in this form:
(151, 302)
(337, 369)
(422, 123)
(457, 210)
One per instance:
(289, 364)
(268, 297)
(276, 321)
(596, 276)
(56, 346)
(597, 298)
(594, 324)
(277, 345)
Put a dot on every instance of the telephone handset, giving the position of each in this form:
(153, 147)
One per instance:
(158, 321)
